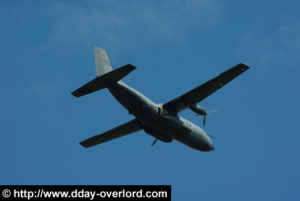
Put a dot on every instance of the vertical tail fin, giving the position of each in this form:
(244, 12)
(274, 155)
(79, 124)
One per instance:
(102, 62)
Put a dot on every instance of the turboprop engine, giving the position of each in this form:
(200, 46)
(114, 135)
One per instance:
(200, 111)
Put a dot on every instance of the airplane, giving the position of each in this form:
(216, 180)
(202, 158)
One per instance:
(158, 120)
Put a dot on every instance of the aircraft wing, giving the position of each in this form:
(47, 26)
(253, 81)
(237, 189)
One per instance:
(122, 130)
(203, 91)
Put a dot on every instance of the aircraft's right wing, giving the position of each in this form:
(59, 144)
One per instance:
(203, 91)
(122, 130)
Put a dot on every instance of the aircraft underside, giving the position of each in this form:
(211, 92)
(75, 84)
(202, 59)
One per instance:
(158, 120)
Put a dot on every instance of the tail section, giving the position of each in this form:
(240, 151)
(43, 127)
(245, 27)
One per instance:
(102, 62)
(104, 80)
(105, 74)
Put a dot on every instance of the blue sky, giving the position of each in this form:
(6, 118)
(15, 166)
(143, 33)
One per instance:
(47, 51)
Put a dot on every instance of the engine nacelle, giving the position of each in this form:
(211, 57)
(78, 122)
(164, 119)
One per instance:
(197, 109)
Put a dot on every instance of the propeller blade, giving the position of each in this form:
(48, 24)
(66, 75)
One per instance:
(204, 118)
(212, 111)
(212, 136)
(153, 143)
(205, 113)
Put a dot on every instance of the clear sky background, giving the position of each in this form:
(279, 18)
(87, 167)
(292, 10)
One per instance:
(46, 51)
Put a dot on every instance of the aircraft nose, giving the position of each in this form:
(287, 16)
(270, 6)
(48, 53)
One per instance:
(205, 143)
(210, 146)
(207, 147)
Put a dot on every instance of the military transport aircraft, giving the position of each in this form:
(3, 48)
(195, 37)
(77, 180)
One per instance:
(158, 120)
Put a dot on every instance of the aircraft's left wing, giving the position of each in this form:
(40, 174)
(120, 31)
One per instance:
(122, 130)
(203, 91)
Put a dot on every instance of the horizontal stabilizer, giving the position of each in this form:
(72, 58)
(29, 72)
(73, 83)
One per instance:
(118, 74)
(90, 87)
(122, 130)
(102, 81)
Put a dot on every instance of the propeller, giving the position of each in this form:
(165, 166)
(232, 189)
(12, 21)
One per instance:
(205, 114)
(200, 111)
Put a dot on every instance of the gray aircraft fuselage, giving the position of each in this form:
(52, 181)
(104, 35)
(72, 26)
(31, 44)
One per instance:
(158, 121)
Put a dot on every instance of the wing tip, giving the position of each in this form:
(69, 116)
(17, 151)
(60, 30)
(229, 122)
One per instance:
(83, 144)
(131, 67)
(243, 66)
(75, 93)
